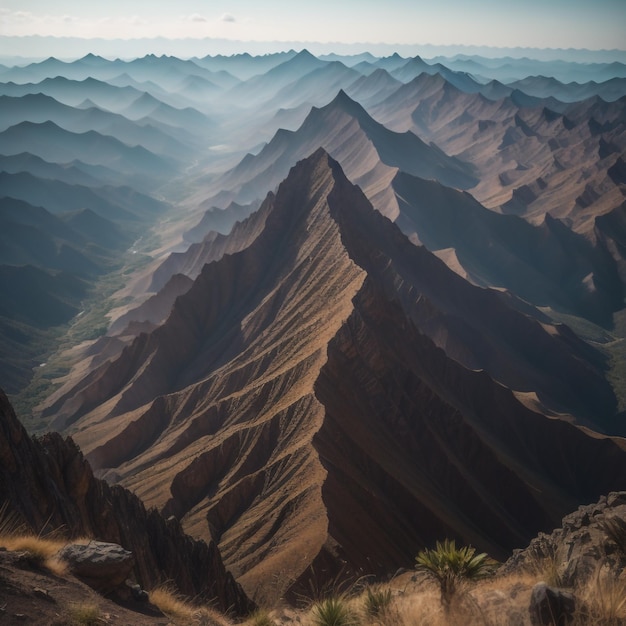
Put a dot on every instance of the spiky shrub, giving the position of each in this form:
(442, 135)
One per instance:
(377, 601)
(332, 611)
(451, 566)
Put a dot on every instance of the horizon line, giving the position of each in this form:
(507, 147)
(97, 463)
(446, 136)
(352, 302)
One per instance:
(308, 42)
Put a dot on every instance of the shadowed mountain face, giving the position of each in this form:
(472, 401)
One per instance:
(333, 393)
(547, 264)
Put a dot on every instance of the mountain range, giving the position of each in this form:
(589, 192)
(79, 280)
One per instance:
(321, 311)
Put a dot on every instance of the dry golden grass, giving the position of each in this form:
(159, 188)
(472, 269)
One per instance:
(183, 612)
(603, 601)
(37, 546)
(419, 608)
(42, 551)
(545, 568)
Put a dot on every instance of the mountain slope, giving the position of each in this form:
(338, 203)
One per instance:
(547, 265)
(32, 236)
(330, 360)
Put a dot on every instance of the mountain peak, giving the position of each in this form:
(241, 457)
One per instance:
(92, 58)
(304, 54)
(343, 101)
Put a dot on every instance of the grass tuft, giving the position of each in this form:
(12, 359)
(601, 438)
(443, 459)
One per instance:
(41, 552)
(85, 614)
(10, 522)
(544, 564)
(182, 611)
(260, 618)
(377, 601)
(604, 601)
(171, 603)
(333, 611)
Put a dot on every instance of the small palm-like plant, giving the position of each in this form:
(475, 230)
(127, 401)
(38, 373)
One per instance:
(332, 611)
(450, 566)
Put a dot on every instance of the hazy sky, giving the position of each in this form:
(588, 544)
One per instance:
(593, 24)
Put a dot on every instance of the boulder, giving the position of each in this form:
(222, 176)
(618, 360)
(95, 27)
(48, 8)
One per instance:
(103, 566)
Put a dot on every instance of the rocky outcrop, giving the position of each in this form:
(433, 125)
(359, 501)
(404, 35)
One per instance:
(589, 539)
(49, 484)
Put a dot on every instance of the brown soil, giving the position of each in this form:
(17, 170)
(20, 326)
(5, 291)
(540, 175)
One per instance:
(33, 595)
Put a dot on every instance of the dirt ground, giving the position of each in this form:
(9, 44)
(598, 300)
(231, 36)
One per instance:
(32, 595)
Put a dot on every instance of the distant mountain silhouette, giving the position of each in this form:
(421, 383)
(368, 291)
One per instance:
(121, 204)
(36, 166)
(39, 108)
(52, 143)
(244, 66)
(261, 88)
(374, 88)
(73, 92)
(33, 236)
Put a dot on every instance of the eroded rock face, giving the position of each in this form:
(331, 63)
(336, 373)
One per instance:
(50, 485)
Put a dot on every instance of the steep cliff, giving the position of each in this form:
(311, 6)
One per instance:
(50, 485)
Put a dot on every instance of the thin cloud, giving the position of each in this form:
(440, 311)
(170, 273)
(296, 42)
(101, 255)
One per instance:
(227, 17)
(196, 17)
